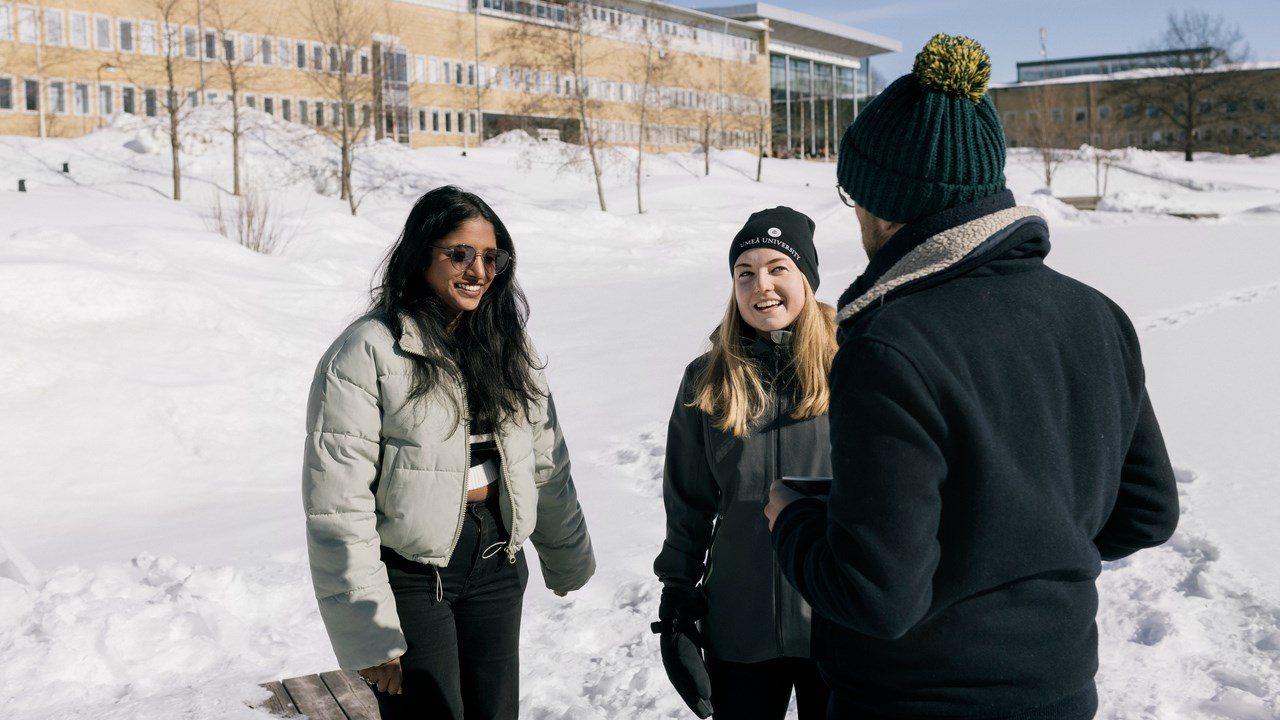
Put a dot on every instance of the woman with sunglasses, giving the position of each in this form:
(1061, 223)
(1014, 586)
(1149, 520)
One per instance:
(752, 409)
(433, 452)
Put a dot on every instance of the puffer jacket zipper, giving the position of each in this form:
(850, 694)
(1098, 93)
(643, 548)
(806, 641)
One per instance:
(466, 471)
(506, 484)
(777, 473)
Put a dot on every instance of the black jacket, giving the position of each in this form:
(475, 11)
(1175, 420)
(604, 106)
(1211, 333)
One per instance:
(715, 487)
(992, 441)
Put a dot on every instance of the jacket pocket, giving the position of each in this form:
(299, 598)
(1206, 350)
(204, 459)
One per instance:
(386, 473)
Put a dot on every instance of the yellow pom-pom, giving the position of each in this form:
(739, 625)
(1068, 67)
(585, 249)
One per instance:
(955, 65)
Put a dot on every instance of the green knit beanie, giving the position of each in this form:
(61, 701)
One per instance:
(930, 141)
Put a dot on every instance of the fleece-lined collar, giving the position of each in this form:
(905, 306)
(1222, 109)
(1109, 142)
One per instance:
(939, 252)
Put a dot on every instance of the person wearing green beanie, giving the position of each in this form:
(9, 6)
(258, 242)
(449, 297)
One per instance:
(992, 439)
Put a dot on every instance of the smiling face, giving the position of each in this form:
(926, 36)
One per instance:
(460, 290)
(769, 289)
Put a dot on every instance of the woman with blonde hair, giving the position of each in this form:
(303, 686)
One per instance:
(752, 409)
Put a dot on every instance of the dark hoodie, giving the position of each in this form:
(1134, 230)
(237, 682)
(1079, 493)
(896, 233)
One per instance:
(715, 487)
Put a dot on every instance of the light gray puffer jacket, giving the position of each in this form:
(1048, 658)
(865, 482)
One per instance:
(382, 470)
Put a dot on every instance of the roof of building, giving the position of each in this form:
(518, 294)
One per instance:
(1255, 66)
(810, 31)
(1150, 54)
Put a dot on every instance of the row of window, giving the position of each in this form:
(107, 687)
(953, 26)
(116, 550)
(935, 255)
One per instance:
(1227, 136)
(610, 131)
(145, 37)
(74, 98)
(618, 22)
(1080, 114)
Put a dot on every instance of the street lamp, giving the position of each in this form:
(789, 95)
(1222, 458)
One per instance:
(109, 68)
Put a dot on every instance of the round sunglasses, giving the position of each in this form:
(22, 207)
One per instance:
(495, 261)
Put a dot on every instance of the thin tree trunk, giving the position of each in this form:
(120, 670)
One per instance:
(174, 147)
(235, 141)
(586, 127)
(706, 147)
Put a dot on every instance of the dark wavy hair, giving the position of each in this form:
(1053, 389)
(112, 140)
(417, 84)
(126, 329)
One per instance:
(488, 350)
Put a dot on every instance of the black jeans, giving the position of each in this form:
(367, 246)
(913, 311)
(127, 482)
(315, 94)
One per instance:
(463, 660)
(762, 691)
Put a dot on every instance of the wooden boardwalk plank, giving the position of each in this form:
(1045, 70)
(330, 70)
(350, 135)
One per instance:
(353, 694)
(279, 703)
(313, 699)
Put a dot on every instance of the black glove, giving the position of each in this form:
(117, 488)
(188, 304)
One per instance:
(678, 611)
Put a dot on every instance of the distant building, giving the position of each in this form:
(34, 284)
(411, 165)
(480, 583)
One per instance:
(819, 75)
(1170, 100)
(443, 72)
(1105, 64)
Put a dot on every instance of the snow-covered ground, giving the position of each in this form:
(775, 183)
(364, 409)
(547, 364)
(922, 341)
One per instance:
(155, 376)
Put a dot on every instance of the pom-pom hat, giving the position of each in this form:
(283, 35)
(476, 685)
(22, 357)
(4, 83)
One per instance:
(930, 141)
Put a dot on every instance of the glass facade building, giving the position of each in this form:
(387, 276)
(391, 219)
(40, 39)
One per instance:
(813, 102)
(819, 76)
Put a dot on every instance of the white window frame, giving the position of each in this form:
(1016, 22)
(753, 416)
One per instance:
(230, 38)
(419, 69)
(60, 40)
(210, 45)
(121, 24)
(28, 25)
(191, 43)
(81, 100)
(27, 82)
(250, 41)
(103, 42)
(284, 50)
(433, 72)
(148, 38)
(317, 51)
(13, 91)
(6, 21)
(78, 30)
(286, 109)
(110, 99)
(269, 100)
(266, 51)
(53, 104)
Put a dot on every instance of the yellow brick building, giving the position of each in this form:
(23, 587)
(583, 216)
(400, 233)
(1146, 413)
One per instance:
(439, 72)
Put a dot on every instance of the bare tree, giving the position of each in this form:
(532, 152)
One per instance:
(709, 109)
(653, 69)
(251, 220)
(1047, 128)
(1200, 45)
(559, 48)
(171, 14)
(237, 65)
(345, 28)
(750, 115)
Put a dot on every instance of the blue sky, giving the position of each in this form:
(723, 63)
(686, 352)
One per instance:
(1010, 29)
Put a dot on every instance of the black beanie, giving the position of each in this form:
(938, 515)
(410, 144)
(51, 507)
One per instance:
(788, 231)
(930, 141)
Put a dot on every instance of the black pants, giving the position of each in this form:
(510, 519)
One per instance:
(463, 660)
(762, 691)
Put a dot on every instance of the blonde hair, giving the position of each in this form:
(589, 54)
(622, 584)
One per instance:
(729, 387)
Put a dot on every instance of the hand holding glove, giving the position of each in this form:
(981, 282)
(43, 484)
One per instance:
(681, 644)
